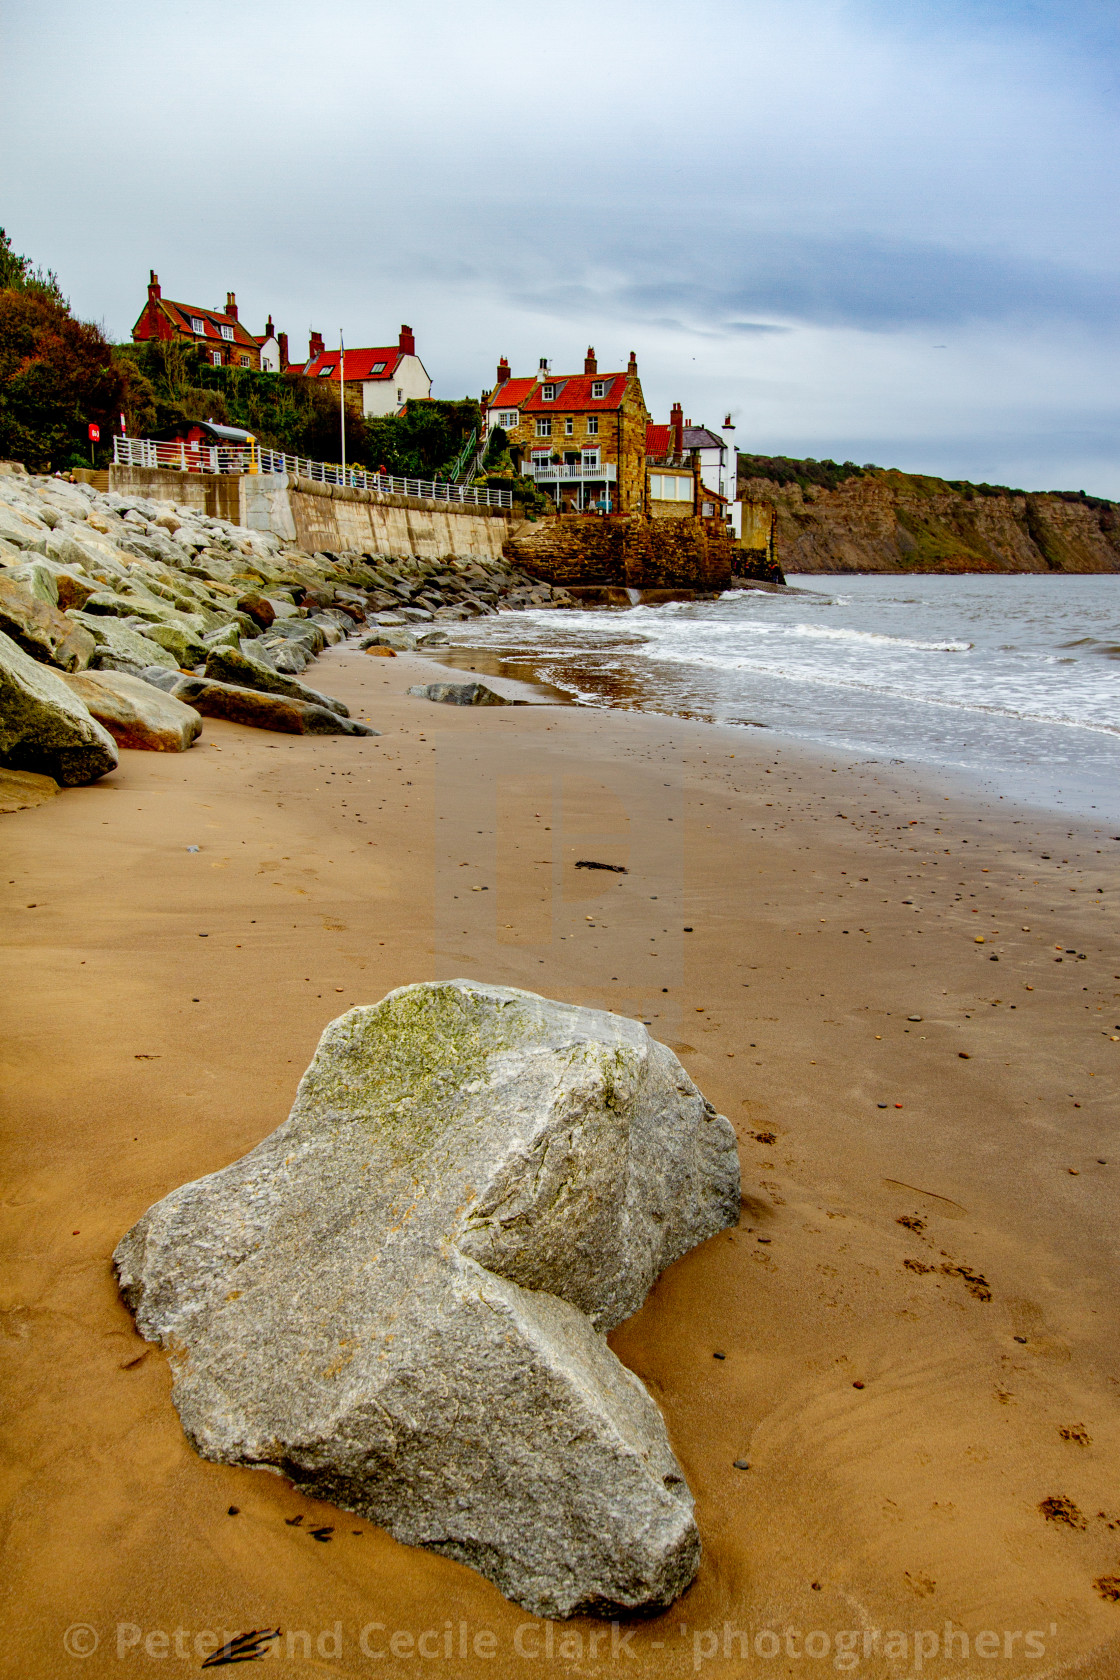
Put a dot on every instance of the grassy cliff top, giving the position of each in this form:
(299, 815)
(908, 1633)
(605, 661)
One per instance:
(830, 475)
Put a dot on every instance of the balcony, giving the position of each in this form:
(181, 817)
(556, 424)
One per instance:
(586, 472)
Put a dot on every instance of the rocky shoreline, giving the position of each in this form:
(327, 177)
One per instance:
(124, 621)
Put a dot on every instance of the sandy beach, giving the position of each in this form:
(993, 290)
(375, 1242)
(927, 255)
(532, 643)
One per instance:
(911, 1338)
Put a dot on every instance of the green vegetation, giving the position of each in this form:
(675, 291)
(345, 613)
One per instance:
(782, 469)
(56, 374)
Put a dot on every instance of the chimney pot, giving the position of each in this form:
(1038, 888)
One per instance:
(231, 305)
(590, 365)
(315, 346)
(407, 342)
(676, 421)
(153, 284)
(503, 370)
(632, 365)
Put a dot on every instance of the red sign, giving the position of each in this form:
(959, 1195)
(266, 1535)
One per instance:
(94, 432)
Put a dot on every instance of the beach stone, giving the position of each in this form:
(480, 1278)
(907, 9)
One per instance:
(40, 629)
(46, 728)
(260, 610)
(120, 647)
(160, 676)
(460, 694)
(400, 1299)
(264, 711)
(136, 714)
(290, 658)
(231, 665)
(21, 790)
(401, 641)
(184, 646)
(38, 578)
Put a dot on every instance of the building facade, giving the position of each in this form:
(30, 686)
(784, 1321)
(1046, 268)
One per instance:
(218, 333)
(580, 437)
(384, 378)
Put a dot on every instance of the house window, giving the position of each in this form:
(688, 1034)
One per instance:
(569, 426)
(400, 394)
(326, 370)
(598, 387)
(548, 393)
(670, 487)
(227, 332)
(378, 367)
(216, 357)
(198, 325)
(507, 419)
(593, 425)
(591, 460)
(244, 360)
(540, 459)
(544, 428)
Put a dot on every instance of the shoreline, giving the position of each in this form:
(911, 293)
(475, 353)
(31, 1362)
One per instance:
(780, 930)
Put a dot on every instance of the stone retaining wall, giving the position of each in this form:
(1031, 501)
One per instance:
(626, 553)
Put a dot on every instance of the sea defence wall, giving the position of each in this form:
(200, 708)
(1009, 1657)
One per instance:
(579, 552)
(327, 517)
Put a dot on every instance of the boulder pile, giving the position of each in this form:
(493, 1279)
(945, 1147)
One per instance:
(400, 1299)
(93, 582)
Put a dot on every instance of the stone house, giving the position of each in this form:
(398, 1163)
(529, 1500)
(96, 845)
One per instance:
(218, 333)
(692, 470)
(581, 437)
(385, 378)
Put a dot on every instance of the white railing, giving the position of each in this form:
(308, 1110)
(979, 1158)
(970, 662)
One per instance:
(254, 458)
(602, 472)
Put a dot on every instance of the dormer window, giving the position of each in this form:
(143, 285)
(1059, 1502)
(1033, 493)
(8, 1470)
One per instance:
(548, 393)
(378, 367)
(598, 387)
(227, 332)
(198, 325)
(326, 370)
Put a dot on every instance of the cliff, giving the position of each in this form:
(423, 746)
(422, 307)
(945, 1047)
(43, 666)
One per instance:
(831, 518)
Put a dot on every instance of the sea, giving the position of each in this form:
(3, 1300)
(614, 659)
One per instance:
(1010, 684)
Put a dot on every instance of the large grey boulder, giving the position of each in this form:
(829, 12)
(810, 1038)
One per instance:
(135, 712)
(231, 665)
(460, 694)
(40, 629)
(45, 728)
(119, 647)
(264, 711)
(399, 1300)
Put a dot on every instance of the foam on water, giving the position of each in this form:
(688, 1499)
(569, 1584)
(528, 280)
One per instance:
(1012, 680)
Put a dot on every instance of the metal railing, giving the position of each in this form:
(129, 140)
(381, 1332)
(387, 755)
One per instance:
(252, 457)
(602, 472)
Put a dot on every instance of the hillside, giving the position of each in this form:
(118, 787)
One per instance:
(844, 518)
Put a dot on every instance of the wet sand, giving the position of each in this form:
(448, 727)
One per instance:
(917, 1312)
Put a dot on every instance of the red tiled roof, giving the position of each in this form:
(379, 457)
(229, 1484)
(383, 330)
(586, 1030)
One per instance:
(359, 363)
(574, 391)
(512, 394)
(183, 314)
(659, 441)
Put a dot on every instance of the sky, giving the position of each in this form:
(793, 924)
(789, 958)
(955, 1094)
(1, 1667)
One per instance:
(878, 230)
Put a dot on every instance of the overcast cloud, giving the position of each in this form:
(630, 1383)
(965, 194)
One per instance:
(884, 231)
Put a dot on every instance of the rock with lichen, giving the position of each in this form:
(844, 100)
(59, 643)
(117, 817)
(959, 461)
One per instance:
(399, 1300)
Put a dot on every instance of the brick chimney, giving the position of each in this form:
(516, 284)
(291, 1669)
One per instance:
(407, 342)
(632, 365)
(315, 345)
(269, 329)
(503, 371)
(542, 370)
(676, 424)
(282, 341)
(231, 305)
(590, 365)
(153, 286)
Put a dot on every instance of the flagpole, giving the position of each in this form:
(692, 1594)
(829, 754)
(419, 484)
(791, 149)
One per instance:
(342, 398)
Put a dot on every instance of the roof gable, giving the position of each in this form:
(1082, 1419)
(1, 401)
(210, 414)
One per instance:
(184, 315)
(360, 364)
(512, 394)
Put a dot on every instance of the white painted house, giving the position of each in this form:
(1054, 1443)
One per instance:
(389, 375)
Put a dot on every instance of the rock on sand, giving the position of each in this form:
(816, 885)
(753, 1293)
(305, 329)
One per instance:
(46, 728)
(135, 713)
(399, 1299)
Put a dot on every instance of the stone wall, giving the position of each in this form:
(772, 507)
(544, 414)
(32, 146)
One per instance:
(634, 553)
(216, 494)
(327, 516)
